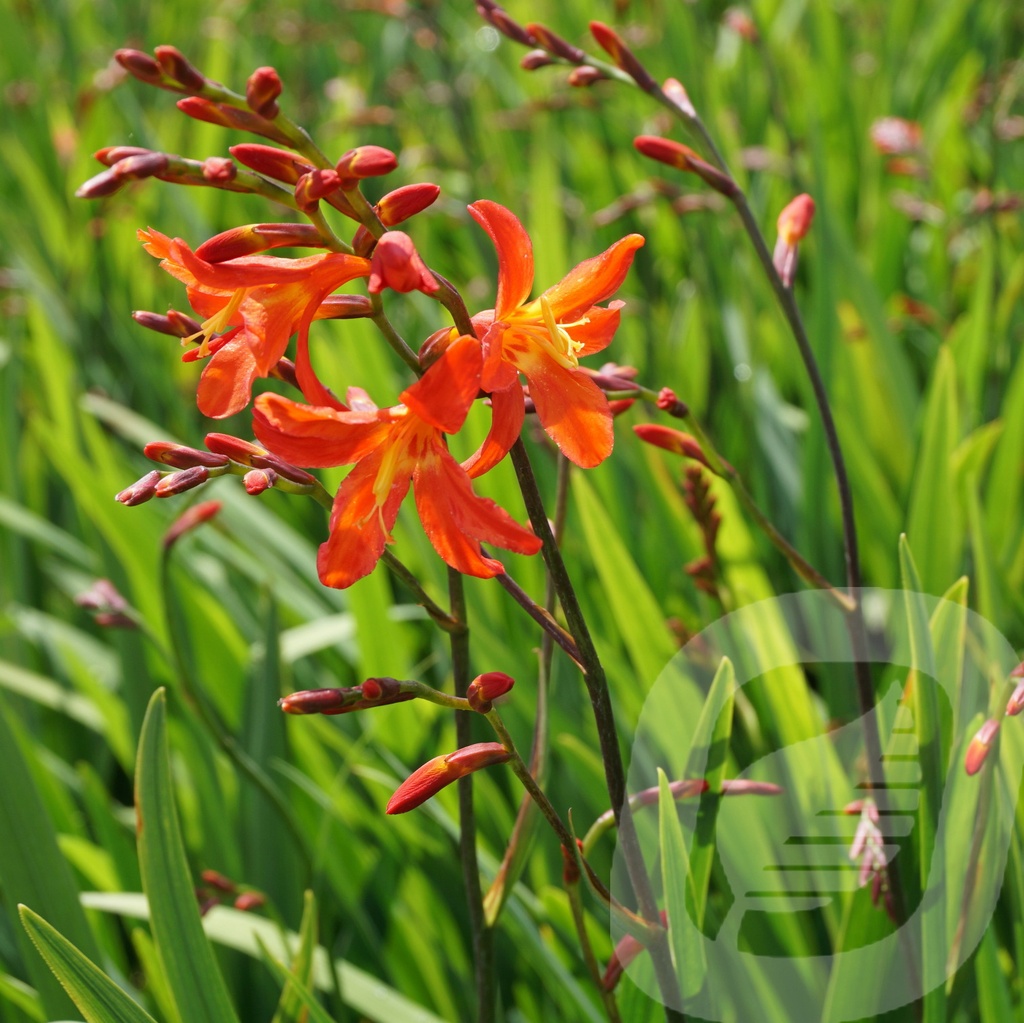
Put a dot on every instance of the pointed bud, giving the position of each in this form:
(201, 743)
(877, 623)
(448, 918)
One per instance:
(620, 405)
(676, 441)
(344, 307)
(103, 595)
(1016, 702)
(256, 481)
(365, 162)
(110, 155)
(132, 168)
(262, 90)
(201, 109)
(181, 457)
(978, 750)
(215, 879)
(536, 59)
(282, 468)
(486, 688)
(374, 692)
(180, 482)
(676, 92)
(140, 491)
(585, 76)
(315, 701)
(271, 162)
(507, 26)
(613, 44)
(173, 63)
(683, 158)
(189, 520)
(428, 780)
(405, 202)
(244, 241)
(793, 224)
(235, 448)
(140, 65)
(554, 43)
(314, 186)
(397, 265)
(248, 901)
(174, 323)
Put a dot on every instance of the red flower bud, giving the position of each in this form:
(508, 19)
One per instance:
(235, 448)
(140, 65)
(179, 326)
(173, 63)
(219, 170)
(103, 595)
(585, 76)
(140, 491)
(218, 881)
(110, 155)
(258, 480)
(181, 457)
(676, 441)
(282, 468)
(262, 90)
(486, 688)
(314, 701)
(271, 162)
(1018, 672)
(536, 59)
(794, 223)
(612, 43)
(397, 265)
(191, 519)
(180, 482)
(668, 402)
(344, 307)
(1016, 702)
(249, 900)
(500, 19)
(366, 162)
(244, 241)
(406, 202)
(554, 43)
(978, 750)
(202, 109)
(683, 158)
(434, 775)
(314, 186)
(676, 92)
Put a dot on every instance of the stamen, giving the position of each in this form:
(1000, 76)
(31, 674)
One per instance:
(216, 323)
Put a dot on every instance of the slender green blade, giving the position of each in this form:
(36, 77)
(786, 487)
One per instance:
(96, 995)
(299, 979)
(186, 956)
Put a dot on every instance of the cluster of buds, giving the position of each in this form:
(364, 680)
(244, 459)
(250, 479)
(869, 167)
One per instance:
(373, 692)
(215, 889)
(701, 502)
(868, 847)
(109, 608)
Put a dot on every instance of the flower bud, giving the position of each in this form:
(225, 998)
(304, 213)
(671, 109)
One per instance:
(314, 701)
(895, 136)
(280, 467)
(103, 595)
(235, 448)
(978, 750)
(676, 92)
(612, 43)
(683, 158)
(262, 90)
(585, 76)
(173, 63)
(180, 482)
(181, 457)
(140, 65)
(668, 402)
(486, 688)
(1018, 672)
(676, 441)
(140, 491)
(344, 307)
(256, 481)
(144, 165)
(190, 519)
(215, 879)
(554, 43)
(174, 323)
(434, 775)
(110, 155)
(397, 265)
(500, 19)
(1016, 702)
(536, 59)
(249, 900)
(365, 162)
(793, 224)
(219, 170)
(406, 202)
(252, 238)
(202, 109)
(271, 162)
(314, 186)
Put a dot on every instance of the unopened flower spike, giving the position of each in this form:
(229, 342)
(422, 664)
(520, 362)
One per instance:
(794, 223)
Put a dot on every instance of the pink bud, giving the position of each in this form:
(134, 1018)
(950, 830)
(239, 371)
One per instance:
(397, 265)
(110, 155)
(405, 202)
(271, 162)
(434, 775)
(795, 220)
(535, 59)
(501, 20)
(180, 482)
(1016, 702)
(219, 170)
(683, 158)
(256, 481)
(140, 491)
(584, 76)
(978, 750)
(262, 90)
(486, 688)
(249, 900)
(140, 65)
(894, 136)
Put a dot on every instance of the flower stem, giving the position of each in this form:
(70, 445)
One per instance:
(600, 701)
(482, 936)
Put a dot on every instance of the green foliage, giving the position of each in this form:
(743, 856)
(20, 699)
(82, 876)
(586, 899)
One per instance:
(911, 289)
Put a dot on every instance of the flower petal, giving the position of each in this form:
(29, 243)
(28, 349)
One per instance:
(316, 436)
(515, 254)
(598, 328)
(508, 410)
(443, 395)
(226, 384)
(455, 519)
(572, 409)
(592, 281)
(359, 530)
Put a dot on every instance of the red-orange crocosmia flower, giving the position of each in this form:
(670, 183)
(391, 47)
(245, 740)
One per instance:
(393, 448)
(259, 302)
(544, 340)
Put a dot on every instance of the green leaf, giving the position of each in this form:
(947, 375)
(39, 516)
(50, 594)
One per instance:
(185, 954)
(300, 977)
(96, 995)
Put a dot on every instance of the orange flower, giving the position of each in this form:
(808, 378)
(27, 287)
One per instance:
(544, 340)
(391, 449)
(259, 301)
